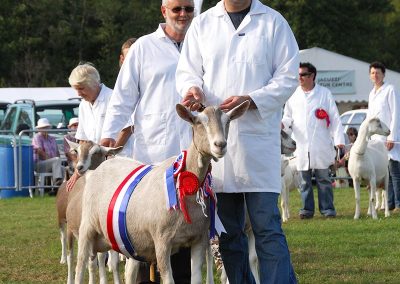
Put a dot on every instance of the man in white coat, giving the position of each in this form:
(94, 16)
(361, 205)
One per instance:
(237, 51)
(312, 115)
(384, 103)
(146, 86)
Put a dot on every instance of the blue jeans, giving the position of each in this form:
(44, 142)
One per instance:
(271, 246)
(394, 184)
(325, 193)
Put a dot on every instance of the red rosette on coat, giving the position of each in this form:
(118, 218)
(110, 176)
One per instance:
(320, 113)
(188, 184)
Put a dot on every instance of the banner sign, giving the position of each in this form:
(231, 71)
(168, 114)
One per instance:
(338, 82)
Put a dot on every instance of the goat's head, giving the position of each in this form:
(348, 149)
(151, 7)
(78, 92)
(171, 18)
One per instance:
(91, 155)
(288, 145)
(376, 126)
(211, 127)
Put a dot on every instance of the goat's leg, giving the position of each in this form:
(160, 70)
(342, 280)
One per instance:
(357, 197)
(163, 255)
(101, 258)
(70, 257)
(284, 208)
(197, 257)
(92, 267)
(377, 199)
(63, 239)
(372, 198)
(253, 260)
(84, 246)
(131, 270)
(210, 261)
(384, 198)
(224, 277)
(385, 192)
(113, 262)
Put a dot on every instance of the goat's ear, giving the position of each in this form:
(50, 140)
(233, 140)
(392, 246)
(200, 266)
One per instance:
(72, 145)
(238, 111)
(106, 151)
(185, 114)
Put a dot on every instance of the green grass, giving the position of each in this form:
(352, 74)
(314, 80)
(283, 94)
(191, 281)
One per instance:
(340, 250)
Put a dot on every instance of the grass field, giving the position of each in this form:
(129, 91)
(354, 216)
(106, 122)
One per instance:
(339, 250)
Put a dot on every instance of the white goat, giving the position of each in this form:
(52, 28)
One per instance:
(290, 180)
(154, 231)
(369, 161)
(69, 210)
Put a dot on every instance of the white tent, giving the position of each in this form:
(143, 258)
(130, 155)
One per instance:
(38, 94)
(346, 77)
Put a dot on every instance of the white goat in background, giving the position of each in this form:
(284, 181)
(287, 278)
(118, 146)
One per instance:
(154, 231)
(290, 181)
(369, 161)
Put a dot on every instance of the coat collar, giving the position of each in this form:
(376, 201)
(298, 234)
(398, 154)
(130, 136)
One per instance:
(256, 8)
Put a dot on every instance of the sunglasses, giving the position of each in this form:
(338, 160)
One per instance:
(178, 9)
(305, 74)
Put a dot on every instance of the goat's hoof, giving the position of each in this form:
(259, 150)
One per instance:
(356, 217)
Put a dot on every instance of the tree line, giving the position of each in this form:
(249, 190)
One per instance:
(42, 41)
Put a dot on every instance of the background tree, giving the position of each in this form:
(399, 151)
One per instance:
(42, 41)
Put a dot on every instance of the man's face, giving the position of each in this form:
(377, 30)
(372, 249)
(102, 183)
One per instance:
(86, 92)
(178, 14)
(122, 56)
(376, 76)
(306, 78)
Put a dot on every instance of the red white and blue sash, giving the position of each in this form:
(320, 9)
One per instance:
(116, 215)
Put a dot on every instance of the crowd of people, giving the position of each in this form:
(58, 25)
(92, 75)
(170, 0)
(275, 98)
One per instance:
(236, 51)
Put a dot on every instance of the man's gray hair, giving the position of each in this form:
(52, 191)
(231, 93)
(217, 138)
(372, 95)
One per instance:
(85, 74)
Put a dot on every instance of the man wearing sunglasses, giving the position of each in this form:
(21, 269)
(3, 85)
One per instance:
(312, 115)
(237, 51)
(146, 86)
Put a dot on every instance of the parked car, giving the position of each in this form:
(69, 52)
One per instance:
(353, 118)
(3, 109)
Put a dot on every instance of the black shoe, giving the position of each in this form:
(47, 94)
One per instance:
(303, 216)
(330, 216)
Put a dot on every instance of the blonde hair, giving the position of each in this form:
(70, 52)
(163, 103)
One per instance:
(85, 74)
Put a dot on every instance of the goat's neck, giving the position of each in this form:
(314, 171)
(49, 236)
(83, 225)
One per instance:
(361, 143)
(193, 164)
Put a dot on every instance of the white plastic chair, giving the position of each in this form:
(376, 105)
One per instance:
(40, 183)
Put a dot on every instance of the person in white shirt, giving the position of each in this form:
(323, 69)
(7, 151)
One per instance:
(233, 52)
(85, 79)
(311, 113)
(384, 103)
(146, 87)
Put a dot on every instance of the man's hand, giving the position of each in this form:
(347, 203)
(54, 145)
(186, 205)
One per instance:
(107, 142)
(389, 145)
(234, 101)
(72, 180)
(194, 99)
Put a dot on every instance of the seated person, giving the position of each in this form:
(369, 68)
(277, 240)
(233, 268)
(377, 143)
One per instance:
(46, 154)
(71, 157)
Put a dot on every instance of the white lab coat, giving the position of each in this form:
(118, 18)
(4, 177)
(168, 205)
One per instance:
(91, 117)
(146, 86)
(314, 140)
(259, 59)
(385, 104)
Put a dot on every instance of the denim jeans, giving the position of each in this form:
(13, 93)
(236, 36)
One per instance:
(394, 184)
(325, 193)
(271, 246)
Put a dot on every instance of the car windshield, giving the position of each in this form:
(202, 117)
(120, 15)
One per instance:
(58, 116)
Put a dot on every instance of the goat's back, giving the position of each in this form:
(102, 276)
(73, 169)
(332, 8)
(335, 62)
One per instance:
(374, 161)
(147, 215)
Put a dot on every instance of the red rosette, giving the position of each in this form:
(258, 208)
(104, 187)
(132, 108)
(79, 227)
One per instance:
(188, 183)
(320, 113)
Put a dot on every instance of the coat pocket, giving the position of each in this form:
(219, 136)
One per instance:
(153, 130)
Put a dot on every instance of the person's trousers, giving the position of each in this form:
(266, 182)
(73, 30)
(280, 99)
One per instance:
(271, 246)
(52, 165)
(394, 184)
(325, 193)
